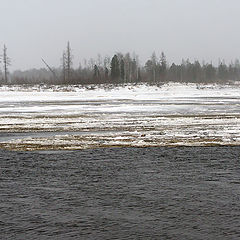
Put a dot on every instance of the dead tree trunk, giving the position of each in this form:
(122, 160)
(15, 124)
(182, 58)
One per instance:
(6, 63)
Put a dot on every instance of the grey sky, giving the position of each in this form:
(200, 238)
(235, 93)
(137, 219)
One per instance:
(194, 29)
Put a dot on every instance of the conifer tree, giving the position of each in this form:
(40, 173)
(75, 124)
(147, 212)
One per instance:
(115, 69)
(122, 70)
(96, 73)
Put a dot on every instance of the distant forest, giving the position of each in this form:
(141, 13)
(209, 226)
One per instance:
(122, 68)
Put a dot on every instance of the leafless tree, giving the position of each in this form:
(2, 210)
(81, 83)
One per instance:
(63, 66)
(6, 64)
(67, 65)
(69, 62)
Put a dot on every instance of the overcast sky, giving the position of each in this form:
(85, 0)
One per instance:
(194, 29)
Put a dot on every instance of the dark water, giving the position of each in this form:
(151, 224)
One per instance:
(124, 193)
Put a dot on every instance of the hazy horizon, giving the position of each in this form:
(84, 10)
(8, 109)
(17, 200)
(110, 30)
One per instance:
(35, 29)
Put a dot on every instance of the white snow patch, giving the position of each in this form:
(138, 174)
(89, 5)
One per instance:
(173, 114)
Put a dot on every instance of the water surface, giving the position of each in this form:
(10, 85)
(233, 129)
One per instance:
(121, 193)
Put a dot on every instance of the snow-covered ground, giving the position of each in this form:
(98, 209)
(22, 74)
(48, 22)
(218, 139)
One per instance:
(75, 117)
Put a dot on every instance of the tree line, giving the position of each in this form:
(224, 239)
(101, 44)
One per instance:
(124, 68)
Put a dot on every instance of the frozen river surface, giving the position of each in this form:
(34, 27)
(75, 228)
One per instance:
(74, 117)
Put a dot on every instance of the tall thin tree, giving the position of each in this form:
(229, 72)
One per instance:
(6, 64)
(63, 65)
(115, 69)
(69, 63)
(122, 70)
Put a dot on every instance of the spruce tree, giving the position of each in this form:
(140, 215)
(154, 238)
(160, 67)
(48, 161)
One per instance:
(122, 70)
(115, 69)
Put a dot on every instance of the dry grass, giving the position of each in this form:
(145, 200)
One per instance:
(90, 142)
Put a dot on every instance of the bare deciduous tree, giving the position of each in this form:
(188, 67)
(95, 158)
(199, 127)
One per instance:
(63, 65)
(67, 64)
(6, 64)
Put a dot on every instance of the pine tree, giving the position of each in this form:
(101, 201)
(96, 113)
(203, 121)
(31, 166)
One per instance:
(96, 73)
(163, 67)
(115, 69)
(122, 70)
(154, 66)
(139, 77)
(106, 74)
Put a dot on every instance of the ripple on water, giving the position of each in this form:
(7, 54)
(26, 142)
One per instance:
(121, 193)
